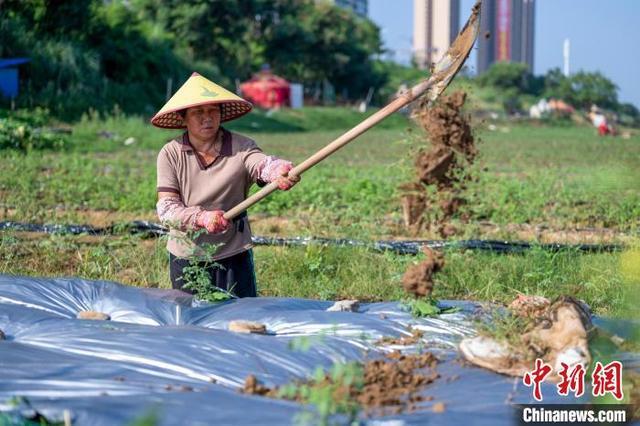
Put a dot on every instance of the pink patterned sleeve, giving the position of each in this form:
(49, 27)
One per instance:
(173, 213)
(271, 168)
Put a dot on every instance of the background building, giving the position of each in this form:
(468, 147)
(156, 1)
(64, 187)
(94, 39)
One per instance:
(435, 26)
(506, 32)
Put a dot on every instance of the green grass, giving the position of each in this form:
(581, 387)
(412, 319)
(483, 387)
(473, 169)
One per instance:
(559, 176)
(330, 273)
(563, 177)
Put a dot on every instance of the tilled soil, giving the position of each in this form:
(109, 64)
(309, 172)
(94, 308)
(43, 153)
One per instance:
(418, 279)
(392, 384)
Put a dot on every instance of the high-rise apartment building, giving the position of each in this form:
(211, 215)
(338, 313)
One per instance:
(435, 26)
(506, 32)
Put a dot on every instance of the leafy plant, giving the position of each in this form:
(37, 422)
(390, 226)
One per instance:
(23, 131)
(428, 307)
(330, 392)
(196, 276)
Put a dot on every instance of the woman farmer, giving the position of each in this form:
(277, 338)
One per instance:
(204, 172)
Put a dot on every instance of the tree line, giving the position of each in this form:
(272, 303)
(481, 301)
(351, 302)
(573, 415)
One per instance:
(98, 53)
(582, 89)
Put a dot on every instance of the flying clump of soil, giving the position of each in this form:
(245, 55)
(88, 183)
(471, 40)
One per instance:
(418, 279)
(442, 167)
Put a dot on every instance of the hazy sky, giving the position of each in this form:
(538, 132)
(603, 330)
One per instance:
(604, 36)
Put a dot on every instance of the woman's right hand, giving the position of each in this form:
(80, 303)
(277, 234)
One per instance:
(213, 221)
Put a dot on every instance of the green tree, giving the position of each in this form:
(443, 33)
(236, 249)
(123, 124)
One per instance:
(589, 88)
(582, 89)
(513, 76)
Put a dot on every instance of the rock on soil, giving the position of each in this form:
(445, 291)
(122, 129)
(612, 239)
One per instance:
(418, 279)
(93, 315)
(247, 327)
(344, 306)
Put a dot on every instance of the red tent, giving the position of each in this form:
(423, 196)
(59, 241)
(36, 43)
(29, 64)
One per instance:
(267, 90)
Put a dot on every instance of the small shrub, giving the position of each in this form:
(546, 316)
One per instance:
(24, 131)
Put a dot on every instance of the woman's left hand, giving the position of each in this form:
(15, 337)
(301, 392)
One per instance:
(286, 181)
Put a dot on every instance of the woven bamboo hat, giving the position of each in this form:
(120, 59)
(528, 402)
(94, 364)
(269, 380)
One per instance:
(197, 91)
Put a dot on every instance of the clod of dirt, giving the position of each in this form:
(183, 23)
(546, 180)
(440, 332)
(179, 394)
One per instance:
(433, 166)
(247, 327)
(415, 337)
(93, 315)
(413, 204)
(418, 279)
(253, 387)
(392, 385)
(344, 306)
(529, 306)
(559, 335)
(2, 335)
(438, 407)
(443, 165)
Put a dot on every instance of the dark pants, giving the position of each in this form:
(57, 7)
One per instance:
(236, 275)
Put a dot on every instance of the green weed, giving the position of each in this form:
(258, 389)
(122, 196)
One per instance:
(428, 307)
(329, 391)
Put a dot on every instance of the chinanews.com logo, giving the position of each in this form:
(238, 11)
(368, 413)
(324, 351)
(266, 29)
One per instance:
(604, 379)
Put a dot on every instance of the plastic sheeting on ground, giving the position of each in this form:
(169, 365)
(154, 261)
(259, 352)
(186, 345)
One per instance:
(166, 354)
(396, 246)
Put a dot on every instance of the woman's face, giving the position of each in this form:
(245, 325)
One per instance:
(203, 121)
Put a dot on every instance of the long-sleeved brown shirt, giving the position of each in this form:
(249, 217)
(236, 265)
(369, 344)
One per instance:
(220, 185)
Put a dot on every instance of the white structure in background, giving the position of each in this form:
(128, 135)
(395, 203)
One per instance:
(565, 53)
(296, 95)
(435, 26)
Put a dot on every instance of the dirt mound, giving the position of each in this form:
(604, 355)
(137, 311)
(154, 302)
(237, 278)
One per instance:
(559, 333)
(389, 385)
(418, 279)
(392, 385)
(529, 306)
(443, 165)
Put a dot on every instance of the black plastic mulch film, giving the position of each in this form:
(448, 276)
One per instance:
(400, 247)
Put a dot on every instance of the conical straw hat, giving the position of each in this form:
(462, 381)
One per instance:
(196, 91)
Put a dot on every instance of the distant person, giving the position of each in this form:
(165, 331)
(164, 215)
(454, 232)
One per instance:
(599, 121)
(203, 173)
